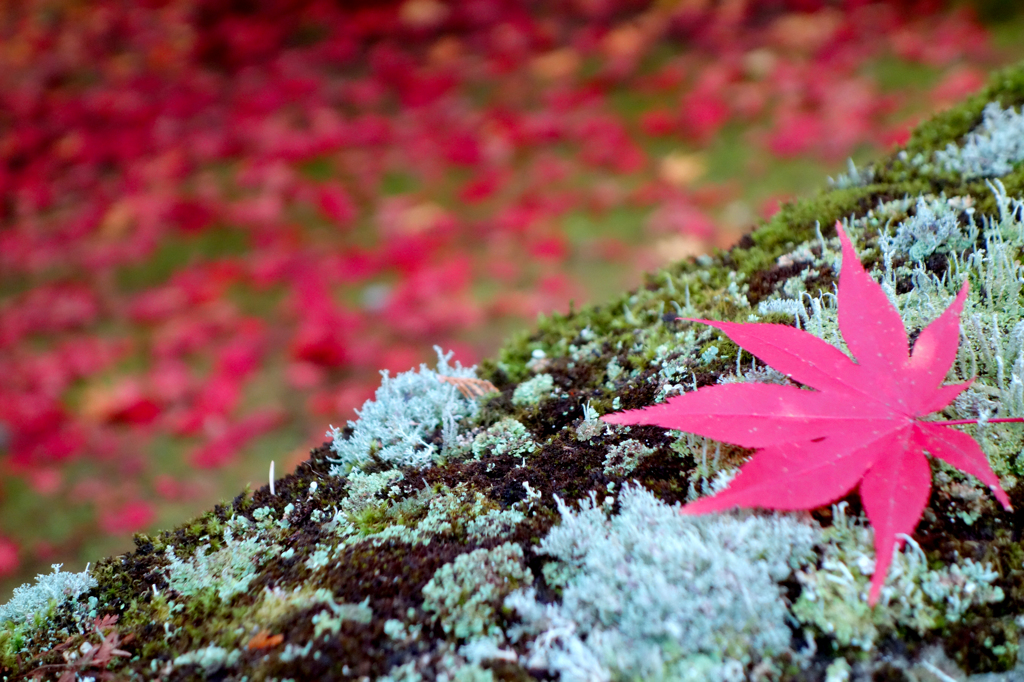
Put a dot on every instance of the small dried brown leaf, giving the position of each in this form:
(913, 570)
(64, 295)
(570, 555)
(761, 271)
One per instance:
(470, 388)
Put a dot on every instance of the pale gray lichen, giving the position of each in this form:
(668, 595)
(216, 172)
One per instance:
(463, 595)
(276, 603)
(838, 671)
(533, 390)
(363, 490)
(405, 412)
(655, 595)
(784, 306)
(507, 437)
(675, 364)
(30, 603)
(442, 665)
(381, 520)
(853, 177)
(330, 619)
(293, 652)
(992, 149)
(228, 570)
(559, 647)
(26, 619)
(211, 659)
(612, 372)
(755, 374)
(494, 524)
(400, 632)
(935, 227)
(590, 427)
(707, 476)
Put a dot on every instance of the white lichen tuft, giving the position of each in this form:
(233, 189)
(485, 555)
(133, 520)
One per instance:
(935, 227)
(992, 149)
(211, 659)
(853, 177)
(406, 410)
(654, 595)
(30, 603)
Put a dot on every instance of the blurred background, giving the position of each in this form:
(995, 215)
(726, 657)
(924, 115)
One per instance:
(220, 219)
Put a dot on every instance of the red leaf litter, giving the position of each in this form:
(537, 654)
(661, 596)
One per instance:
(861, 424)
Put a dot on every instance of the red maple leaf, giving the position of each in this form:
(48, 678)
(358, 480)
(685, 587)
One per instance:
(861, 423)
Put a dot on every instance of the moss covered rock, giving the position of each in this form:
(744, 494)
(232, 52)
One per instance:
(483, 524)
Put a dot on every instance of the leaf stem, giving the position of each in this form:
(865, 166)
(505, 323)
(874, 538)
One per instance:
(959, 422)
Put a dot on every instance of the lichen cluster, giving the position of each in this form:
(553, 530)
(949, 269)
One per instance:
(515, 537)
